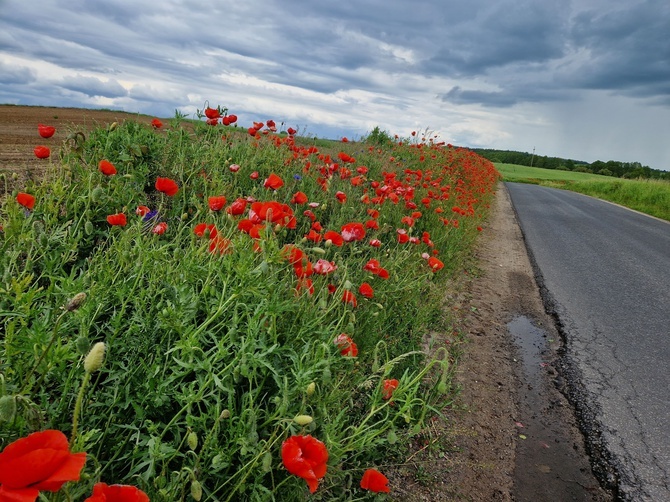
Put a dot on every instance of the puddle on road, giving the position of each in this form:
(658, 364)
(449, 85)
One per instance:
(547, 464)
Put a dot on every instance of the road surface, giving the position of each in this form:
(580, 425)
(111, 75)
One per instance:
(605, 274)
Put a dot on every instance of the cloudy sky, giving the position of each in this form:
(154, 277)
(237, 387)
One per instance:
(581, 79)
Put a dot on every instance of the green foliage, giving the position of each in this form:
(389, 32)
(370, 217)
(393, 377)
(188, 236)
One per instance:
(209, 356)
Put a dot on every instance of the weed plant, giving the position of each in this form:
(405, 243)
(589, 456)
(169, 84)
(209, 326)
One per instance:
(220, 329)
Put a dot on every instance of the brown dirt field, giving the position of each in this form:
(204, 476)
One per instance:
(509, 436)
(18, 135)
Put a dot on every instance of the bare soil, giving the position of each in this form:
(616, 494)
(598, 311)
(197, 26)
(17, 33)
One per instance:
(510, 435)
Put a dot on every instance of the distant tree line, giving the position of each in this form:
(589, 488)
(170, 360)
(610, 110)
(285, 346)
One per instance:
(613, 168)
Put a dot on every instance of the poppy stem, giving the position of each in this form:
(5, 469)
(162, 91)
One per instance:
(77, 406)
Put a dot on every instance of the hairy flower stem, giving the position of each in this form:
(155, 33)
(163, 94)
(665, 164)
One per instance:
(77, 406)
(26, 382)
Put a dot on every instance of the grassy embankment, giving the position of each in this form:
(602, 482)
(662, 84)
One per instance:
(251, 289)
(648, 196)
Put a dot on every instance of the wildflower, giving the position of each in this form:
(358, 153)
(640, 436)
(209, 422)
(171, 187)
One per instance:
(42, 152)
(201, 228)
(366, 290)
(274, 182)
(324, 267)
(142, 211)
(388, 387)
(160, 228)
(435, 264)
(299, 198)
(212, 113)
(216, 202)
(106, 168)
(291, 131)
(238, 207)
(402, 236)
(305, 457)
(375, 243)
(45, 131)
(118, 219)
(352, 232)
(254, 175)
(167, 186)
(341, 197)
(346, 345)
(334, 238)
(26, 200)
(116, 493)
(350, 298)
(233, 168)
(374, 481)
(313, 236)
(40, 461)
(156, 124)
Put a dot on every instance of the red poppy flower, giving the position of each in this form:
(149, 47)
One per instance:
(106, 168)
(238, 207)
(407, 220)
(45, 131)
(274, 182)
(40, 461)
(218, 244)
(160, 228)
(375, 243)
(374, 481)
(167, 186)
(372, 266)
(118, 219)
(233, 168)
(346, 345)
(216, 202)
(324, 267)
(366, 290)
(435, 264)
(42, 152)
(334, 238)
(372, 224)
(142, 211)
(291, 131)
(212, 113)
(201, 228)
(156, 124)
(306, 285)
(350, 298)
(388, 387)
(313, 236)
(299, 198)
(306, 457)
(341, 197)
(402, 236)
(352, 232)
(254, 175)
(116, 493)
(26, 200)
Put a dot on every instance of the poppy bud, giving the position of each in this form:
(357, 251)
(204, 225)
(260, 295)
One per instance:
(83, 345)
(310, 389)
(196, 490)
(266, 465)
(88, 227)
(303, 420)
(113, 126)
(95, 357)
(192, 440)
(75, 302)
(96, 194)
(391, 437)
(319, 250)
(7, 408)
(225, 414)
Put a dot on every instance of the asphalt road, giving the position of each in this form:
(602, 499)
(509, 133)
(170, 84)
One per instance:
(605, 274)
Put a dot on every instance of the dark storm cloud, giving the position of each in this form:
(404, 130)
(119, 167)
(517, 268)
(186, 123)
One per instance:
(20, 75)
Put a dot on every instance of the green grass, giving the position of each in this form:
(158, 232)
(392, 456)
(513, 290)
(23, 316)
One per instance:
(647, 196)
(210, 355)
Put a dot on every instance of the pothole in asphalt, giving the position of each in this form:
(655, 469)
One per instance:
(550, 464)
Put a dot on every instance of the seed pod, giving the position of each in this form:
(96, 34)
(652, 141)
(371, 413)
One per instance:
(303, 420)
(225, 414)
(97, 193)
(311, 388)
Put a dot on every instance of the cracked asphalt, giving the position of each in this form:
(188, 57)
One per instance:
(604, 272)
